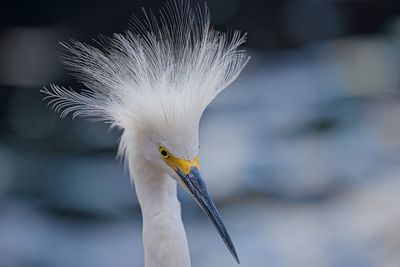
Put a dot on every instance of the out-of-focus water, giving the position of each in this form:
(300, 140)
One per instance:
(301, 155)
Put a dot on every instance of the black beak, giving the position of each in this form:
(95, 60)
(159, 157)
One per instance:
(195, 185)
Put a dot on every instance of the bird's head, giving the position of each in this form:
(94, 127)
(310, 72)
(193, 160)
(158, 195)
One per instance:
(167, 136)
(154, 83)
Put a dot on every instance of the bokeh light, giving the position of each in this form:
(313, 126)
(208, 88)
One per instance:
(301, 153)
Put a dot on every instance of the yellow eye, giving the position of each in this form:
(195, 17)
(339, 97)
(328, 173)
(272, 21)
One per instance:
(164, 152)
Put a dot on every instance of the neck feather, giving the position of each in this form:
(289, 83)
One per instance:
(164, 237)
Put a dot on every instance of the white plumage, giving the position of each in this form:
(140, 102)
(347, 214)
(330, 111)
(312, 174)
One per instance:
(154, 82)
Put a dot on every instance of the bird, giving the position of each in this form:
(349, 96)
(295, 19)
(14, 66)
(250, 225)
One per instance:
(153, 82)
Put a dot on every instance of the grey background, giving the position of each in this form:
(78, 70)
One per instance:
(301, 153)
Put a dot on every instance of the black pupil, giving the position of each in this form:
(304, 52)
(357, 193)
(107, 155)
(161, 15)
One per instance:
(164, 153)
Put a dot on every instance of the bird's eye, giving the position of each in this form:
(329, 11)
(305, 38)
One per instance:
(164, 153)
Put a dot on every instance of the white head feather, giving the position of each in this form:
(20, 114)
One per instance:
(155, 80)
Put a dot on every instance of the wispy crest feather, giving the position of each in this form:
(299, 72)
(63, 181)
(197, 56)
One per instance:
(176, 54)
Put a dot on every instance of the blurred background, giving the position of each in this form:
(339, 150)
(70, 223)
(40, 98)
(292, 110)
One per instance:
(301, 153)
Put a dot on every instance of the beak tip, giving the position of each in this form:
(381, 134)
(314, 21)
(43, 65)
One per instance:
(236, 257)
(232, 250)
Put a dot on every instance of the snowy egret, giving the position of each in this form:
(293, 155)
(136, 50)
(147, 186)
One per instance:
(154, 82)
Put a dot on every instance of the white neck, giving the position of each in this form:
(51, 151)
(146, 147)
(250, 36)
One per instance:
(164, 238)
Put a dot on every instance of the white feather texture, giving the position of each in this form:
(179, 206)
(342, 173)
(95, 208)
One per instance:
(170, 68)
(154, 82)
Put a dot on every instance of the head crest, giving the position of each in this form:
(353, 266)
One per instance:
(173, 61)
